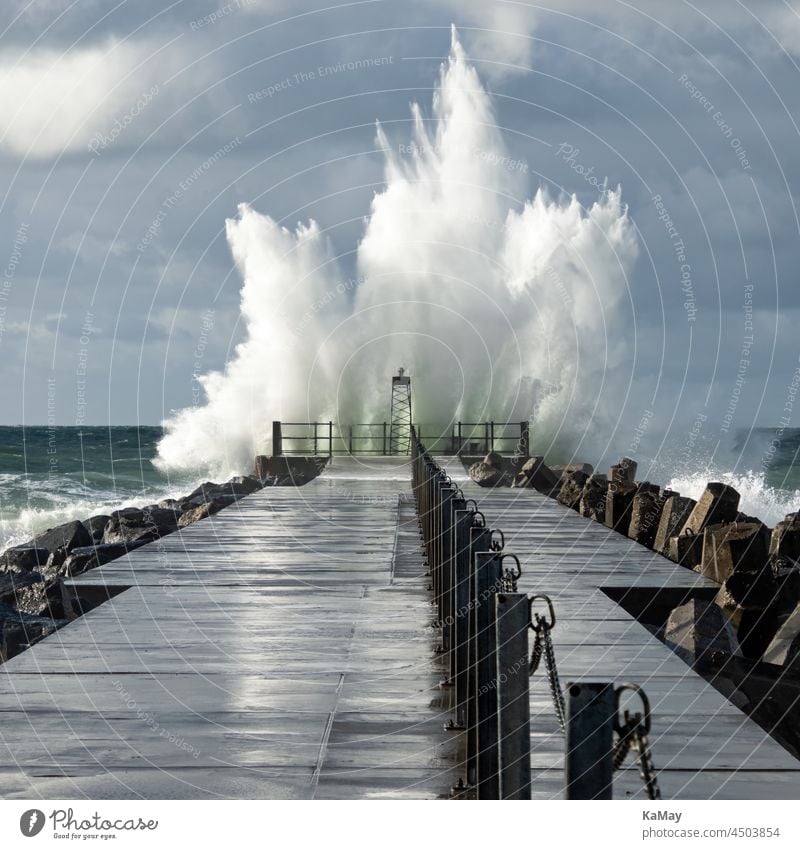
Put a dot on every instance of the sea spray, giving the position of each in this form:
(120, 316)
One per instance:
(498, 306)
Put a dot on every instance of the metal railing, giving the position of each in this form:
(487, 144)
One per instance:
(373, 438)
(484, 624)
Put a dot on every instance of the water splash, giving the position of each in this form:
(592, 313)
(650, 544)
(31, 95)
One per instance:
(497, 305)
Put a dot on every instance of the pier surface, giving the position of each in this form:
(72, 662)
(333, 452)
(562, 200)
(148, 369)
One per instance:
(283, 648)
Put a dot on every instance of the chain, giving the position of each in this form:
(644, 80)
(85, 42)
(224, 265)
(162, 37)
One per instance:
(641, 745)
(543, 647)
(633, 734)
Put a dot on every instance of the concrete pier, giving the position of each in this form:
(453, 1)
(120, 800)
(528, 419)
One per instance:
(284, 648)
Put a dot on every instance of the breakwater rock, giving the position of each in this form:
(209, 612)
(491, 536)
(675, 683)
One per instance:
(757, 569)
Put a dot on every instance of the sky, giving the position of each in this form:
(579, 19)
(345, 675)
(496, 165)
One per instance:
(130, 131)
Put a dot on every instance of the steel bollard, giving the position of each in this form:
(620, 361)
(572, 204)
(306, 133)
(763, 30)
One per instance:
(487, 583)
(589, 761)
(512, 618)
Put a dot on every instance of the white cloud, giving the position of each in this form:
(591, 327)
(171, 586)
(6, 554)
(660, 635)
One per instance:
(64, 101)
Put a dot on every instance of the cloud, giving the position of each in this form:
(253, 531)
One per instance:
(92, 98)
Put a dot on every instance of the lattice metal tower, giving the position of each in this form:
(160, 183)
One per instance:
(400, 428)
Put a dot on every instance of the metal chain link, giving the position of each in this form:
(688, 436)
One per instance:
(633, 734)
(641, 745)
(543, 646)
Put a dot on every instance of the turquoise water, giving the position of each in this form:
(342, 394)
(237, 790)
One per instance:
(51, 475)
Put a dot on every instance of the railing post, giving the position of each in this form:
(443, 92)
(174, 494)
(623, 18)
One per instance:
(350, 440)
(486, 437)
(589, 763)
(524, 440)
(512, 619)
(277, 439)
(384, 439)
(487, 582)
(464, 520)
(330, 440)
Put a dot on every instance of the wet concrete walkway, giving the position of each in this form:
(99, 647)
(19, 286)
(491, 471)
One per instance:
(703, 746)
(280, 648)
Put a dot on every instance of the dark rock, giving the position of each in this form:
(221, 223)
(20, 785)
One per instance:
(785, 539)
(135, 525)
(572, 489)
(82, 560)
(489, 476)
(733, 548)
(19, 630)
(535, 474)
(12, 583)
(645, 516)
(245, 485)
(719, 503)
(197, 513)
(625, 470)
(23, 558)
(561, 470)
(593, 500)
(746, 599)
(784, 649)
(67, 536)
(673, 517)
(95, 525)
(619, 505)
(686, 549)
(42, 598)
(697, 629)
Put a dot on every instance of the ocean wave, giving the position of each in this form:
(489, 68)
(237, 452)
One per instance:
(758, 498)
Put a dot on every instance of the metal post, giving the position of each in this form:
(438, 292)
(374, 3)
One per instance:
(512, 618)
(589, 761)
(330, 440)
(524, 440)
(487, 582)
(350, 440)
(384, 440)
(277, 439)
(486, 436)
(461, 573)
(479, 541)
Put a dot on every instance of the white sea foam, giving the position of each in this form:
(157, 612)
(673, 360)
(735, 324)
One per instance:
(497, 305)
(758, 498)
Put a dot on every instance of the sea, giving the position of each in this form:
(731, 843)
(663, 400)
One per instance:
(50, 475)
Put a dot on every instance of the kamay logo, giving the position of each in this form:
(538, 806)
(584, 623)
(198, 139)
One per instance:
(31, 822)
